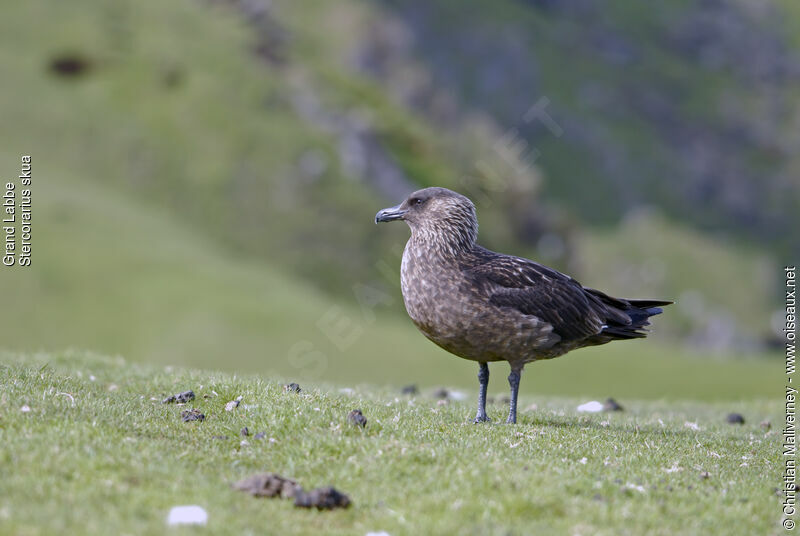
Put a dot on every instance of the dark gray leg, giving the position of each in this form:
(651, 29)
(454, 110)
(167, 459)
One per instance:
(483, 378)
(513, 381)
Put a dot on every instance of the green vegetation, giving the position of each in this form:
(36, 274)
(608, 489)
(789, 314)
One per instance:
(144, 285)
(177, 217)
(99, 454)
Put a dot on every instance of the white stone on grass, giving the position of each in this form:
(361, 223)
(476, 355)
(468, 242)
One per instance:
(591, 407)
(187, 515)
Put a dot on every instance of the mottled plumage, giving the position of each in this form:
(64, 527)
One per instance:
(485, 306)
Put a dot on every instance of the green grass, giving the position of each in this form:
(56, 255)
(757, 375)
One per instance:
(137, 281)
(98, 454)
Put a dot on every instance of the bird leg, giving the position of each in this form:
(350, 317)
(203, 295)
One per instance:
(483, 378)
(513, 381)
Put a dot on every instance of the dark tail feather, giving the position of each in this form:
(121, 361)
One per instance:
(639, 311)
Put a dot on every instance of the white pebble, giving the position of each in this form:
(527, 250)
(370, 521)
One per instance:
(591, 407)
(187, 515)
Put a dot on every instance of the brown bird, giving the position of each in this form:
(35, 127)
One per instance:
(486, 306)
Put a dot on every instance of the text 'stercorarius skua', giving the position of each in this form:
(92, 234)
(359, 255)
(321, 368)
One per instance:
(485, 306)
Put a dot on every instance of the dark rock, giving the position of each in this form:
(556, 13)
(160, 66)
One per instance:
(69, 66)
(357, 418)
(322, 499)
(410, 389)
(441, 393)
(268, 485)
(244, 432)
(292, 387)
(735, 418)
(180, 398)
(192, 415)
(612, 405)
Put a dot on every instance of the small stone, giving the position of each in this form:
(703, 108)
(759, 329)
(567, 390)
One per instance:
(268, 485)
(441, 393)
(113, 387)
(180, 398)
(735, 418)
(292, 388)
(25, 409)
(187, 515)
(611, 405)
(192, 415)
(410, 389)
(244, 432)
(766, 425)
(322, 499)
(442, 402)
(260, 435)
(705, 475)
(233, 404)
(357, 418)
(591, 407)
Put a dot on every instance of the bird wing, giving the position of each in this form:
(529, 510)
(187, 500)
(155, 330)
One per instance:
(534, 289)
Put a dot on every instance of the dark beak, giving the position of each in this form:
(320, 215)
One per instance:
(390, 214)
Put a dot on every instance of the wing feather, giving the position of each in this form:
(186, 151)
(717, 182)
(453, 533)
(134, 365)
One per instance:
(534, 289)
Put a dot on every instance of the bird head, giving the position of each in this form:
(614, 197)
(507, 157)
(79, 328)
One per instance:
(437, 214)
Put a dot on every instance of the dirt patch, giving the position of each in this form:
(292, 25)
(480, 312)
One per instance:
(69, 65)
(357, 418)
(441, 393)
(292, 388)
(735, 418)
(410, 390)
(268, 485)
(180, 398)
(611, 405)
(322, 499)
(192, 415)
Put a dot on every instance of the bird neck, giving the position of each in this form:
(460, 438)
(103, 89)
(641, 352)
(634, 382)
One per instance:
(446, 242)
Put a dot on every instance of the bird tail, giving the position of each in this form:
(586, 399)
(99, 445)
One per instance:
(627, 319)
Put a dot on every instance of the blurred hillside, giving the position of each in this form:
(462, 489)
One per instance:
(690, 106)
(207, 172)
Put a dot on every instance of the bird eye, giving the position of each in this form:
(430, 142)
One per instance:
(416, 201)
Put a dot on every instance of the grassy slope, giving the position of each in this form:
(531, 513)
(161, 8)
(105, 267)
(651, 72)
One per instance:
(117, 276)
(220, 145)
(98, 455)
